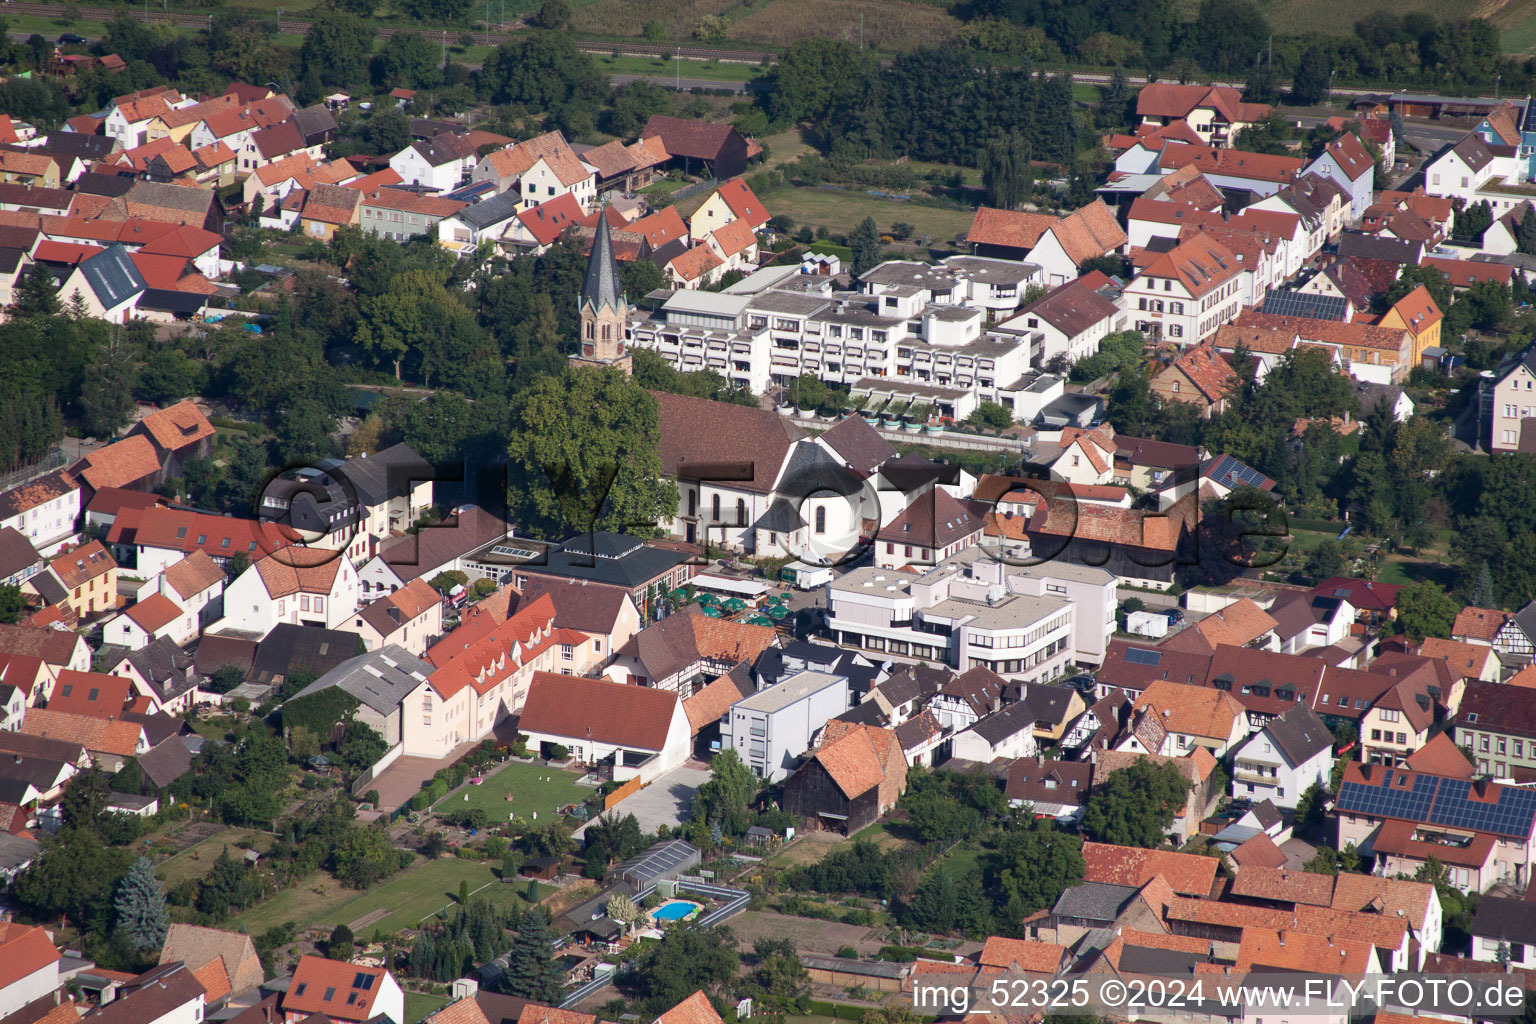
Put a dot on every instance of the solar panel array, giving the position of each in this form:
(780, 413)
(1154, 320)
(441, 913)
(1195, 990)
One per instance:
(1231, 473)
(1440, 801)
(1141, 656)
(1284, 302)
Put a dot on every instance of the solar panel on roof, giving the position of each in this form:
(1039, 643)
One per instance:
(1287, 302)
(1138, 656)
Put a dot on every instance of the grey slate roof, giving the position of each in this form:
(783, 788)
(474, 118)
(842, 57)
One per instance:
(166, 762)
(290, 648)
(78, 144)
(380, 679)
(858, 444)
(1374, 247)
(1093, 901)
(812, 470)
(612, 558)
(600, 288)
(112, 275)
(1299, 733)
(500, 207)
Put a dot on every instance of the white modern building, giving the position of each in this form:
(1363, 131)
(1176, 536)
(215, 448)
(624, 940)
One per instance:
(1281, 760)
(773, 727)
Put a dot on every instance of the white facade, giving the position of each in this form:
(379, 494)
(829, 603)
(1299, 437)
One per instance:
(1164, 307)
(50, 526)
(773, 727)
(249, 606)
(34, 985)
(125, 632)
(414, 169)
(1261, 771)
(674, 749)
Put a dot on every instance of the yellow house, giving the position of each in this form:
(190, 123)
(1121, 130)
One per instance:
(28, 169)
(90, 574)
(1054, 728)
(1397, 724)
(1417, 314)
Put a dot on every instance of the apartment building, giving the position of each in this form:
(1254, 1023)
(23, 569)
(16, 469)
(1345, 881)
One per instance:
(773, 727)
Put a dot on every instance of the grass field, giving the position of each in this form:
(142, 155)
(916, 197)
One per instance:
(1516, 19)
(419, 1004)
(196, 861)
(840, 212)
(407, 898)
(529, 794)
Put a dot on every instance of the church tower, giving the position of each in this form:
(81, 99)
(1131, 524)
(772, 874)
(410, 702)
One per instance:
(603, 309)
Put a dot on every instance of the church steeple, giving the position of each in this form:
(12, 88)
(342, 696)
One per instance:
(603, 309)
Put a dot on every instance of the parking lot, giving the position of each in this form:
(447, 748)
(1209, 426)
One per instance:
(665, 801)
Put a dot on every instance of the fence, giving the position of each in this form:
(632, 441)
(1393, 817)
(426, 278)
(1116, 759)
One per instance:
(612, 799)
(693, 190)
(53, 460)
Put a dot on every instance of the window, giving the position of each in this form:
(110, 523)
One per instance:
(741, 512)
(821, 519)
(319, 604)
(715, 507)
(567, 652)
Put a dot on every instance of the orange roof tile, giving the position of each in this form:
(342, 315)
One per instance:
(696, 1009)
(461, 1011)
(710, 703)
(94, 734)
(1300, 951)
(1089, 232)
(24, 949)
(1479, 623)
(214, 979)
(695, 263)
(537, 1013)
(1011, 229)
(298, 569)
(858, 760)
(117, 465)
(328, 986)
(193, 574)
(734, 237)
(743, 202)
(153, 612)
(79, 566)
(1237, 624)
(661, 227)
(1187, 874)
(1023, 955)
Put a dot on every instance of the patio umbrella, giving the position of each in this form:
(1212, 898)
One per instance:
(707, 600)
(776, 611)
(677, 595)
(711, 611)
(757, 620)
(735, 604)
(774, 599)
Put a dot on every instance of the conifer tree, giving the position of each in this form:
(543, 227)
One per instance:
(531, 971)
(140, 907)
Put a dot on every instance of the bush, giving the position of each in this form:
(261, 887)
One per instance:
(847, 953)
(557, 752)
(899, 954)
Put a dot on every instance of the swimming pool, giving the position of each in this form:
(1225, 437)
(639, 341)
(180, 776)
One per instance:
(676, 910)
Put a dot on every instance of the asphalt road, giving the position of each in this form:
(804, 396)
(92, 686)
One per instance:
(671, 82)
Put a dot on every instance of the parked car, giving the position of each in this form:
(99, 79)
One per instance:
(1175, 616)
(71, 37)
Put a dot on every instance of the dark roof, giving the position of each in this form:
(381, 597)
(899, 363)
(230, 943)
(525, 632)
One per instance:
(380, 679)
(1375, 247)
(500, 207)
(865, 713)
(215, 651)
(1299, 733)
(289, 649)
(1043, 780)
(587, 608)
(30, 197)
(781, 517)
(616, 559)
(313, 122)
(1076, 306)
(383, 475)
(700, 140)
(112, 275)
(911, 472)
(163, 664)
(153, 995)
(78, 144)
(1144, 451)
(706, 440)
(16, 553)
(910, 682)
(1510, 920)
(1498, 708)
(778, 663)
(41, 772)
(470, 527)
(934, 520)
(858, 444)
(600, 289)
(1289, 302)
(27, 745)
(1093, 901)
(166, 761)
(110, 185)
(182, 303)
(813, 471)
(1013, 719)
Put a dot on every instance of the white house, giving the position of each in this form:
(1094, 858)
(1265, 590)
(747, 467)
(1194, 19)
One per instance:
(195, 584)
(169, 994)
(639, 730)
(441, 162)
(1348, 164)
(1008, 733)
(146, 620)
(346, 993)
(1186, 293)
(1078, 237)
(1463, 169)
(1071, 319)
(411, 617)
(1281, 760)
(773, 727)
(44, 511)
(1504, 929)
(31, 966)
(302, 586)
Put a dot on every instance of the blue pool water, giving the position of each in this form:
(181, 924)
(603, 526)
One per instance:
(674, 910)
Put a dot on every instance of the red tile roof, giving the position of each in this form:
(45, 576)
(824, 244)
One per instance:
(548, 221)
(128, 461)
(94, 734)
(179, 530)
(327, 986)
(744, 203)
(153, 612)
(696, 1009)
(596, 709)
(1187, 874)
(1201, 265)
(1022, 954)
(24, 949)
(78, 567)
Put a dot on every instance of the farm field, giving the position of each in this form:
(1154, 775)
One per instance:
(887, 25)
(399, 902)
(529, 795)
(841, 211)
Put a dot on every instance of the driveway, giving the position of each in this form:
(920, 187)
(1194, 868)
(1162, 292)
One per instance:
(404, 779)
(665, 801)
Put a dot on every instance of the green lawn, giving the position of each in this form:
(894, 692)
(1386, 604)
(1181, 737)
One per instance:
(841, 211)
(529, 794)
(419, 1004)
(409, 897)
(960, 861)
(196, 861)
